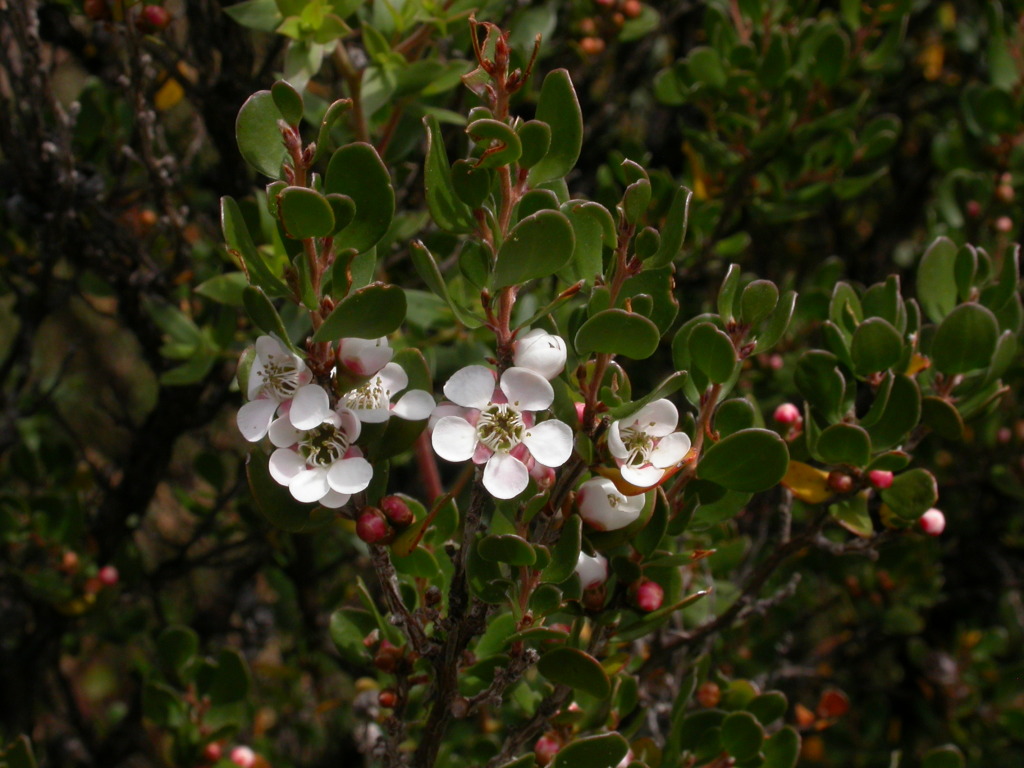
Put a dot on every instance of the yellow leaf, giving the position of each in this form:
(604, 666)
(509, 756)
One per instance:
(807, 483)
(917, 364)
(169, 94)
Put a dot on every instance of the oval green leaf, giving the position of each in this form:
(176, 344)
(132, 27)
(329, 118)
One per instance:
(965, 340)
(305, 213)
(603, 751)
(537, 246)
(618, 332)
(356, 170)
(577, 669)
(559, 107)
(876, 346)
(258, 134)
(712, 351)
(507, 548)
(742, 736)
(369, 313)
(844, 444)
(911, 494)
(750, 460)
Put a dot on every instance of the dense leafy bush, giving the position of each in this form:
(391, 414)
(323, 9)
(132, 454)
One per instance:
(576, 384)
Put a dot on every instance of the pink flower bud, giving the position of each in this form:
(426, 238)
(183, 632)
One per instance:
(1004, 224)
(932, 522)
(108, 576)
(580, 408)
(787, 413)
(545, 749)
(880, 478)
(397, 510)
(243, 757)
(213, 752)
(973, 209)
(649, 596)
(371, 526)
(775, 362)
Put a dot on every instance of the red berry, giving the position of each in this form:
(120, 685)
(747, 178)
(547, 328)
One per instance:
(397, 510)
(592, 45)
(632, 8)
(152, 18)
(388, 657)
(787, 413)
(97, 10)
(108, 576)
(932, 522)
(880, 478)
(973, 209)
(709, 694)
(649, 596)
(243, 757)
(213, 752)
(840, 482)
(371, 526)
(387, 698)
(546, 748)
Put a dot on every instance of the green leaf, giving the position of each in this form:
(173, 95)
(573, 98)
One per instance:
(844, 444)
(343, 208)
(750, 460)
(742, 736)
(288, 101)
(602, 751)
(659, 284)
(876, 346)
(537, 246)
(225, 289)
(162, 705)
(507, 548)
(566, 551)
(947, 756)
(501, 145)
(901, 414)
(593, 229)
(262, 15)
(705, 67)
(535, 138)
(430, 273)
(712, 351)
(259, 136)
(176, 647)
(231, 679)
(727, 293)
(577, 669)
(263, 314)
(734, 415)
(560, 109)
(942, 417)
(936, 280)
(673, 233)
(782, 749)
(348, 628)
(447, 210)
(240, 244)
(276, 503)
(618, 332)
(305, 213)
(821, 383)
(853, 515)
(471, 184)
(356, 170)
(777, 324)
(768, 707)
(368, 313)
(911, 494)
(757, 301)
(965, 340)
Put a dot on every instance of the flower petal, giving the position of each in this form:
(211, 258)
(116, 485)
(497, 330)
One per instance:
(394, 378)
(414, 405)
(471, 386)
(268, 347)
(454, 438)
(310, 407)
(333, 500)
(670, 450)
(254, 418)
(372, 415)
(616, 447)
(593, 571)
(285, 464)
(657, 419)
(350, 475)
(364, 357)
(505, 477)
(527, 390)
(550, 443)
(283, 434)
(643, 477)
(542, 352)
(309, 485)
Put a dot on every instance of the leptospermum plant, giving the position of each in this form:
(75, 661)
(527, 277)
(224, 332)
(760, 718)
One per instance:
(530, 578)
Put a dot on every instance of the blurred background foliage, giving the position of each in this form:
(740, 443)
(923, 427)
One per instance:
(822, 140)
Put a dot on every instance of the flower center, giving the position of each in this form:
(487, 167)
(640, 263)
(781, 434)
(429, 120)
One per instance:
(280, 377)
(614, 500)
(639, 445)
(500, 427)
(371, 396)
(322, 446)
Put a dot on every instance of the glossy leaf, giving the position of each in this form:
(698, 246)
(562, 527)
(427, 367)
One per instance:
(965, 340)
(566, 551)
(501, 145)
(305, 213)
(942, 417)
(258, 134)
(602, 751)
(673, 232)
(288, 101)
(559, 107)
(535, 137)
(742, 736)
(777, 324)
(911, 494)
(618, 332)
(447, 210)
(901, 413)
(577, 669)
(537, 246)
(844, 444)
(783, 749)
(357, 171)
(749, 460)
(712, 351)
(263, 313)
(768, 707)
(368, 313)
(853, 515)
(507, 548)
(240, 243)
(936, 280)
(758, 300)
(876, 346)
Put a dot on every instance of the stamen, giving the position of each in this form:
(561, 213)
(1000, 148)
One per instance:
(638, 444)
(500, 427)
(371, 396)
(324, 445)
(280, 377)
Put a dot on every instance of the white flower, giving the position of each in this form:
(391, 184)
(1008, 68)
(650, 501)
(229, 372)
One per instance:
(646, 444)
(593, 571)
(364, 357)
(540, 351)
(275, 377)
(315, 455)
(498, 430)
(371, 402)
(603, 507)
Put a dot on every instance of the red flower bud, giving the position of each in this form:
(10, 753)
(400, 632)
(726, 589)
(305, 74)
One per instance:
(632, 8)
(973, 209)
(546, 748)
(388, 657)
(213, 752)
(592, 45)
(880, 478)
(932, 522)
(787, 413)
(1004, 224)
(397, 510)
(97, 10)
(371, 526)
(709, 694)
(649, 596)
(387, 698)
(108, 576)
(243, 757)
(840, 482)
(152, 18)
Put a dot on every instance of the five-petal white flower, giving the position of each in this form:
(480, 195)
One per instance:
(604, 508)
(315, 455)
(371, 401)
(540, 351)
(498, 430)
(275, 377)
(646, 445)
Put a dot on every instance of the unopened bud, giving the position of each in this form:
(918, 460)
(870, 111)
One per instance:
(371, 526)
(213, 752)
(592, 45)
(397, 510)
(153, 18)
(69, 561)
(1004, 224)
(108, 576)
(97, 10)
(709, 694)
(1005, 193)
(632, 8)
(432, 596)
(932, 522)
(387, 698)
(649, 596)
(840, 482)
(388, 657)
(546, 748)
(880, 478)
(243, 757)
(973, 209)
(787, 413)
